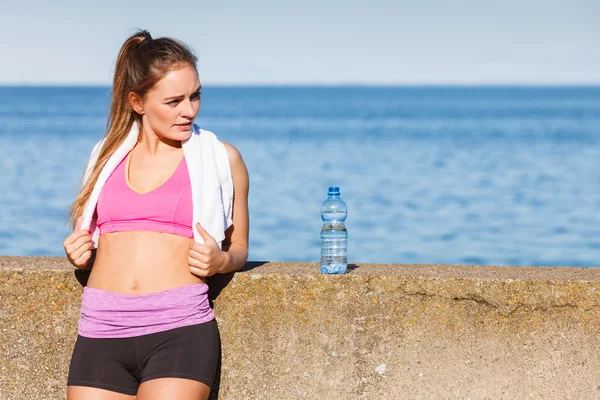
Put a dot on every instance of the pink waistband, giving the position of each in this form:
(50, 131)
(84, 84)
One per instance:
(116, 315)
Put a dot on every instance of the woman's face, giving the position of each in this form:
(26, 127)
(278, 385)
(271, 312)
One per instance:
(170, 107)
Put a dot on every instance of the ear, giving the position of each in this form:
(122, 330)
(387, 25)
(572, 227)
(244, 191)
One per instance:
(136, 102)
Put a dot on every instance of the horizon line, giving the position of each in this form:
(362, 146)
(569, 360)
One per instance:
(324, 85)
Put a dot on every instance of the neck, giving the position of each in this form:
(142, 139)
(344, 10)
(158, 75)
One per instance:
(149, 142)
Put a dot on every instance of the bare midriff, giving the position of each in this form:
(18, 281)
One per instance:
(138, 262)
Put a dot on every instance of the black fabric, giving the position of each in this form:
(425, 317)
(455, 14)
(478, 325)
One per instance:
(122, 364)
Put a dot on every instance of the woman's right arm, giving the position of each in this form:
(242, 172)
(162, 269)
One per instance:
(78, 247)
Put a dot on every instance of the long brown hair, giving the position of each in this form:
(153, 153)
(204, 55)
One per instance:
(141, 63)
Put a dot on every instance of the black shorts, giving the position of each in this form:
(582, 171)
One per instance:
(122, 364)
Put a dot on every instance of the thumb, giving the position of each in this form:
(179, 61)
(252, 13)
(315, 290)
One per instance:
(205, 235)
(78, 223)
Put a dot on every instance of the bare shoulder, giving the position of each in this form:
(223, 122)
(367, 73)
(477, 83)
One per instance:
(239, 172)
(233, 153)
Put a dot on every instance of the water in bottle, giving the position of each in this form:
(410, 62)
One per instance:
(334, 236)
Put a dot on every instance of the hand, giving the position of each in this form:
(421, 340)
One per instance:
(78, 246)
(205, 259)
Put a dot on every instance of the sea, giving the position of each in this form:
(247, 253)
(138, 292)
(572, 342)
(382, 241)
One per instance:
(502, 175)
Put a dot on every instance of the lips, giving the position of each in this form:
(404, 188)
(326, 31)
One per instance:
(185, 125)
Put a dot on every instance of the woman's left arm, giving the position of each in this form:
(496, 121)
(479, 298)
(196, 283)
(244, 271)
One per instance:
(235, 244)
(207, 259)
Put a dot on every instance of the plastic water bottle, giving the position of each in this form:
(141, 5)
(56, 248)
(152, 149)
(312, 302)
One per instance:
(334, 236)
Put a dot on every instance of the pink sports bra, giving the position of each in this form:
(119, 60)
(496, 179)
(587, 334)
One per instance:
(168, 208)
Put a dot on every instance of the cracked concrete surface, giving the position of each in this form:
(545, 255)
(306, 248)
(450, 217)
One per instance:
(377, 332)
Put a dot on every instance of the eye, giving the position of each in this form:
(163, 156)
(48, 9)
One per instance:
(173, 102)
(196, 95)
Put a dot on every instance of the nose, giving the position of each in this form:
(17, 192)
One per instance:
(188, 109)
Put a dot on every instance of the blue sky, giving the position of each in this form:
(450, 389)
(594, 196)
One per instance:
(312, 42)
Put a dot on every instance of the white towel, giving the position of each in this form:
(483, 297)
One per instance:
(210, 177)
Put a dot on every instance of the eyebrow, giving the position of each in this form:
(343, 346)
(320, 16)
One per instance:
(180, 95)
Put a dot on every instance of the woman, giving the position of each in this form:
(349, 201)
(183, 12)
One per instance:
(164, 204)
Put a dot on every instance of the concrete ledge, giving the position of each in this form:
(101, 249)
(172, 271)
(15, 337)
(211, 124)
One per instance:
(379, 331)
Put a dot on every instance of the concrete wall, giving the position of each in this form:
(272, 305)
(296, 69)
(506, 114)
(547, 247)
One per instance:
(377, 332)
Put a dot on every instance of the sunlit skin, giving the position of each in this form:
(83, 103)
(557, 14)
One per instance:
(137, 262)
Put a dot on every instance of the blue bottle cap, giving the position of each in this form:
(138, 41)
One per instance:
(334, 190)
